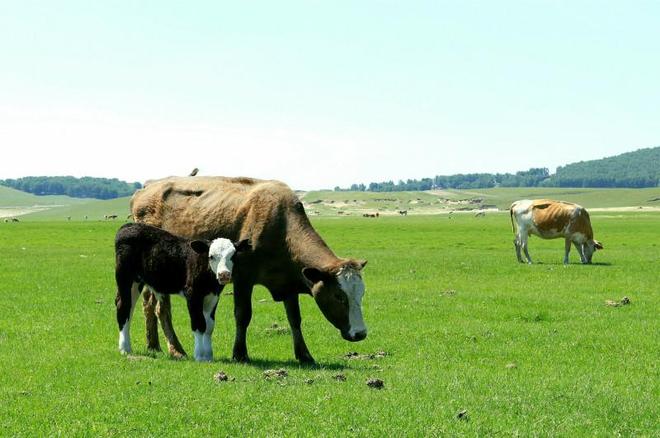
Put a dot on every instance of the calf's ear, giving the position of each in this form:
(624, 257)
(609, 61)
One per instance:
(312, 274)
(598, 245)
(362, 263)
(243, 245)
(200, 246)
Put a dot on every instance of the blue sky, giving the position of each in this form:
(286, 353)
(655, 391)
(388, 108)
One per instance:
(320, 94)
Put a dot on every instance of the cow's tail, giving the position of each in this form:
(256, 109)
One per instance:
(513, 228)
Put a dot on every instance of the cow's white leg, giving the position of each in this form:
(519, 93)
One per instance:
(210, 304)
(524, 247)
(125, 331)
(567, 250)
(516, 244)
(578, 247)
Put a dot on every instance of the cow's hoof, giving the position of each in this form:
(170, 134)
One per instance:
(176, 354)
(240, 356)
(306, 360)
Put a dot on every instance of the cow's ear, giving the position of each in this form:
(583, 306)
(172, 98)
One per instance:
(361, 263)
(598, 245)
(312, 274)
(243, 245)
(200, 246)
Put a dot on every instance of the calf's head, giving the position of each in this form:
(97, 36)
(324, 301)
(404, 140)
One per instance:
(589, 248)
(338, 292)
(221, 254)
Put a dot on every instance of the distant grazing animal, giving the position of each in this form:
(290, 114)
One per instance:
(86, 217)
(68, 218)
(403, 212)
(167, 264)
(552, 219)
(15, 219)
(110, 216)
(288, 256)
(194, 172)
(480, 214)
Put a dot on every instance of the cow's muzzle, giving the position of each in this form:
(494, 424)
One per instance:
(358, 336)
(224, 277)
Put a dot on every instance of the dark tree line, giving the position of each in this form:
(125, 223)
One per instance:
(636, 169)
(86, 187)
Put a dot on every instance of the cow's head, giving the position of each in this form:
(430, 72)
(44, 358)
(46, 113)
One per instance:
(589, 248)
(221, 254)
(338, 292)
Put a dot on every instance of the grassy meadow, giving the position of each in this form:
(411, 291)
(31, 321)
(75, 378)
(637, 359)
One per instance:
(474, 343)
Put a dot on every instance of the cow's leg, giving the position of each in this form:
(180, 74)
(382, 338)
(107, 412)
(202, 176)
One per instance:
(292, 307)
(127, 294)
(516, 243)
(199, 328)
(164, 313)
(242, 315)
(580, 251)
(567, 250)
(149, 308)
(523, 243)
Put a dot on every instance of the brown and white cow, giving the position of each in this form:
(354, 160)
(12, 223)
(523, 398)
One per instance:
(288, 257)
(550, 220)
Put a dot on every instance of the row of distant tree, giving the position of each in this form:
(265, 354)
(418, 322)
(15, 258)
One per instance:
(636, 169)
(86, 187)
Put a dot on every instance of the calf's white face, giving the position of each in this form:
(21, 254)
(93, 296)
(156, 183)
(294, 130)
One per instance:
(221, 253)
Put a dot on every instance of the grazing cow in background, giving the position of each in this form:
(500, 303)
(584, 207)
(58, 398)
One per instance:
(403, 212)
(167, 264)
(15, 219)
(288, 256)
(553, 219)
(110, 216)
(480, 214)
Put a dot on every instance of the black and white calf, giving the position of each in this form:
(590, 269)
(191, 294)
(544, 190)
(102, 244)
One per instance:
(167, 264)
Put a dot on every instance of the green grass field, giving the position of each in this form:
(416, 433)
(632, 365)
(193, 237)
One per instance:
(524, 350)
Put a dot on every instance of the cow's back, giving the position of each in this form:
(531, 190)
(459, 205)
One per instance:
(208, 207)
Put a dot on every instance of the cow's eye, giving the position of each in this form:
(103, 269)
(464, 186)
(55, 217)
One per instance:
(211, 257)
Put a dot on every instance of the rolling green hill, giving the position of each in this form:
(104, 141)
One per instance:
(324, 203)
(330, 203)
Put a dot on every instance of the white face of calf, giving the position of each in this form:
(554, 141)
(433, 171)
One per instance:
(221, 253)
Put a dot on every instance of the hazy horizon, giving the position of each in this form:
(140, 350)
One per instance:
(321, 95)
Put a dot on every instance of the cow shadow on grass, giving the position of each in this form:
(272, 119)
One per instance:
(573, 264)
(266, 364)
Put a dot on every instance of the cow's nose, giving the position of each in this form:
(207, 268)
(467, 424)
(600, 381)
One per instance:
(224, 277)
(360, 335)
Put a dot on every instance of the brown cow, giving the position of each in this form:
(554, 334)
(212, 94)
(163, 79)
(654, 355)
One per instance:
(288, 257)
(552, 219)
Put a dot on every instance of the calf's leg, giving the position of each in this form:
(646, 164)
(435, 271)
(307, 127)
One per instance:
(199, 327)
(127, 294)
(209, 306)
(292, 307)
(242, 315)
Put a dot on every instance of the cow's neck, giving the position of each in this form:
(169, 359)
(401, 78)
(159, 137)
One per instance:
(307, 248)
